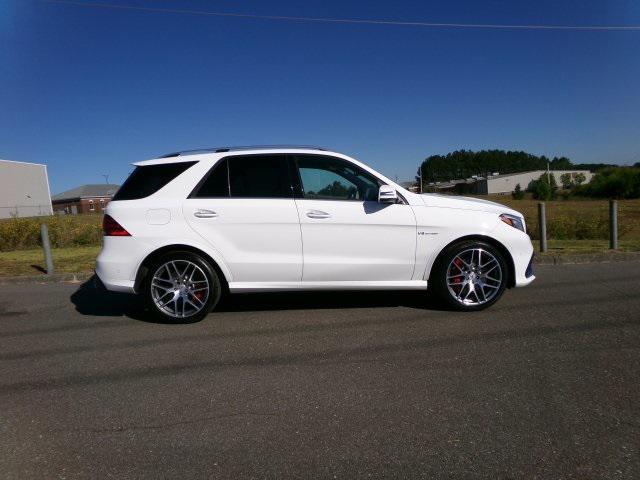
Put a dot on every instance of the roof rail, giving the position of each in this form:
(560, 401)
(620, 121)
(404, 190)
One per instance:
(240, 148)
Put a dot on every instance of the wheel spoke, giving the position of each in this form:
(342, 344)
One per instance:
(484, 295)
(172, 299)
(490, 270)
(489, 262)
(200, 302)
(162, 287)
(192, 304)
(465, 263)
(175, 269)
(471, 289)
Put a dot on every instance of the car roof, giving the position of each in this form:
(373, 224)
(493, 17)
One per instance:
(208, 153)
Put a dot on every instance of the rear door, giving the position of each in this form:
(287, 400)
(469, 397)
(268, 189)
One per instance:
(244, 208)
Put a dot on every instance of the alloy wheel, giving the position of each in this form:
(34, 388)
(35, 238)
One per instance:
(474, 277)
(180, 288)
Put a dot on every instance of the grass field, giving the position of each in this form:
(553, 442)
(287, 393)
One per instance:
(573, 219)
(31, 262)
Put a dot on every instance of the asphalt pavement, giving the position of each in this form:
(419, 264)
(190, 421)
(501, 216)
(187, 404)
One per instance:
(545, 384)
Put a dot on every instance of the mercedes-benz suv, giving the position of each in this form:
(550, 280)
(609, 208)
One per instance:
(187, 227)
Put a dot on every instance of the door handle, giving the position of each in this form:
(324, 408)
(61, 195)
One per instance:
(201, 213)
(318, 214)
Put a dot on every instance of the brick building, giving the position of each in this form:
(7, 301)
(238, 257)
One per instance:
(84, 199)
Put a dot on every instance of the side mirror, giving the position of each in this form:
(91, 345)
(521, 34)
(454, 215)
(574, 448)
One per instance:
(387, 194)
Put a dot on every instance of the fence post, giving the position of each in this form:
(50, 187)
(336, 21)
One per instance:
(613, 224)
(46, 246)
(542, 220)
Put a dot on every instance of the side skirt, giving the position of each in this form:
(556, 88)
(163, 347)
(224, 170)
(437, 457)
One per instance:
(287, 286)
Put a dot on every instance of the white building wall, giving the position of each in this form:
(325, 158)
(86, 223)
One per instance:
(507, 183)
(24, 190)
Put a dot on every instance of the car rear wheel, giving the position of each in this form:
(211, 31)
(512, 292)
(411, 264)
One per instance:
(470, 275)
(181, 288)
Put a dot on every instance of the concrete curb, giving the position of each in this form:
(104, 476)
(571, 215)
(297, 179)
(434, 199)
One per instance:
(600, 257)
(547, 259)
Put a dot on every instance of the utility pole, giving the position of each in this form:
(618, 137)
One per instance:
(548, 175)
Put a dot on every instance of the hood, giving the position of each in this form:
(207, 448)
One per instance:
(465, 203)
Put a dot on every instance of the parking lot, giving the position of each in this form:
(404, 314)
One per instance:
(332, 385)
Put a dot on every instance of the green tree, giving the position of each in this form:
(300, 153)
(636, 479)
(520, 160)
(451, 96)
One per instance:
(465, 163)
(544, 188)
(579, 178)
(562, 163)
(566, 180)
(517, 194)
(617, 182)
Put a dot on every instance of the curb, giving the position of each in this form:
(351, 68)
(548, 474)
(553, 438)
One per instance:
(604, 257)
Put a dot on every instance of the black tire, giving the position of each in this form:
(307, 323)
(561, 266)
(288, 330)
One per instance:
(203, 269)
(445, 292)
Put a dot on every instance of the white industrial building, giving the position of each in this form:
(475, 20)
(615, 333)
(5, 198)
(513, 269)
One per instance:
(24, 190)
(503, 184)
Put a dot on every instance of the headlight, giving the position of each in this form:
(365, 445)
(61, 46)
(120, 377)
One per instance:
(516, 222)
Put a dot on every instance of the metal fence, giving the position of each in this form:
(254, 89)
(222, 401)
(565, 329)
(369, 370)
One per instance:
(613, 225)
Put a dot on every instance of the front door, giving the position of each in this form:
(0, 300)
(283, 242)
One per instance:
(246, 211)
(346, 234)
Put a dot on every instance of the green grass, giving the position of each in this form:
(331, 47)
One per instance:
(31, 262)
(64, 231)
(578, 217)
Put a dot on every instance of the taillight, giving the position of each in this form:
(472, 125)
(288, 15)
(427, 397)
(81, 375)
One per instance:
(111, 228)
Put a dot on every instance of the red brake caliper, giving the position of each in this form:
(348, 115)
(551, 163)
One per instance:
(458, 263)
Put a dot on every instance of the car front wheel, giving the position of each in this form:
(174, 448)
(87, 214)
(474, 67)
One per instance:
(181, 288)
(470, 275)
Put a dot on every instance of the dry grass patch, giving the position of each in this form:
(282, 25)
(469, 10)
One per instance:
(65, 260)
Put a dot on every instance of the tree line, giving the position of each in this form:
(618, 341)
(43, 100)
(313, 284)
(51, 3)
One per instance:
(466, 163)
(610, 181)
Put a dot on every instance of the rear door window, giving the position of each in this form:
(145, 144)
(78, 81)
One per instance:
(148, 179)
(259, 176)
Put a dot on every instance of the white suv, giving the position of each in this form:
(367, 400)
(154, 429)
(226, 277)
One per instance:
(186, 227)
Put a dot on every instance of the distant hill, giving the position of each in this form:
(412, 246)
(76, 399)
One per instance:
(465, 163)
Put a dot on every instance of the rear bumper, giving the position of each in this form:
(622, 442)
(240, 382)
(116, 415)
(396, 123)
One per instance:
(117, 263)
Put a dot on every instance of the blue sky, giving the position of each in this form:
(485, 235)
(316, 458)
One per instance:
(88, 91)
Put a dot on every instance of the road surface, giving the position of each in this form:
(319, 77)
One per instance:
(545, 384)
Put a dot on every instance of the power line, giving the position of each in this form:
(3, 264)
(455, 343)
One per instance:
(348, 20)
